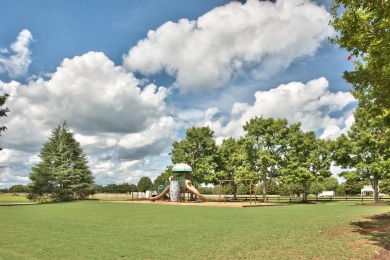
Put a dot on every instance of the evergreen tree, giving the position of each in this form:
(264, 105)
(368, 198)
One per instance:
(63, 172)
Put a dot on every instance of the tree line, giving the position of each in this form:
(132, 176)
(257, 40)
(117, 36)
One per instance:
(272, 150)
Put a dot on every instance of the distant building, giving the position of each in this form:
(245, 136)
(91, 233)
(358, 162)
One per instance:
(368, 191)
(327, 193)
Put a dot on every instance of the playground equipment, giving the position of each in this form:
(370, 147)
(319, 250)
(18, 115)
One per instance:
(178, 185)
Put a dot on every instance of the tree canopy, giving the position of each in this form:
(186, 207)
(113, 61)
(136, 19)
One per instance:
(308, 158)
(3, 111)
(63, 172)
(197, 149)
(365, 149)
(265, 146)
(363, 30)
(144, 184)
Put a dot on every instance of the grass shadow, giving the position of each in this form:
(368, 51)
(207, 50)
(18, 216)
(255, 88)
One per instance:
(376, 228)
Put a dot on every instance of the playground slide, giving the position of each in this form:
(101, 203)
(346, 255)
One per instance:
(188, 186)
(161, 195)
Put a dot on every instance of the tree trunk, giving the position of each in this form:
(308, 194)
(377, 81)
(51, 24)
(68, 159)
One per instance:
(264, 188)
(374, 183)
(305, 192)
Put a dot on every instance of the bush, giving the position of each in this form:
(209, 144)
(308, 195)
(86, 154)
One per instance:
(205, 190)
(243, 189)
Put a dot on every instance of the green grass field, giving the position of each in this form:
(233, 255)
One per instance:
(105, 230)
(13, 198)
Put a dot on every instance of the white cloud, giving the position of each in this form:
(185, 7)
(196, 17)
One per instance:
(17, 64)
(312, 104)
(15, 167)
(122, 172)
(333, 131)
(114, 117)
(206, 53)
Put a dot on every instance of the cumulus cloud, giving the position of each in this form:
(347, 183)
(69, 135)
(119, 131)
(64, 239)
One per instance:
(127, 171)
(15, 167)
(312, 104)
(333, 131)
(205, 53)
(112, 114)
(18, 62)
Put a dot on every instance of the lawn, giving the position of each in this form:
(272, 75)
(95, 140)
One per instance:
(106, 230)
(13, 198)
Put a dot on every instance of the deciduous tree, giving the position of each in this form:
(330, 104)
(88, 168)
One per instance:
(198, 150)
(365, 149)
(232, 163)
(144, 184)
(265, 145)
(363, 30)
(308, 159)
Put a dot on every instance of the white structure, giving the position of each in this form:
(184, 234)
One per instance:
(327, 193)
(150, 193)
(367, 190)
(174, 191)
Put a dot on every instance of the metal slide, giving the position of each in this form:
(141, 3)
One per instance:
(188, 186)
(161, 195)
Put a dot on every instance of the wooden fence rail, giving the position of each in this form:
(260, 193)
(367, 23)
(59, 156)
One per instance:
(336, 198)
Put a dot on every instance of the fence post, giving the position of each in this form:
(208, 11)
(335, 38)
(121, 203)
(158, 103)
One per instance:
(290, 198)
(278, 199)
(362, 198)
(346, 198)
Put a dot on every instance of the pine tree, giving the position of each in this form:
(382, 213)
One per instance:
(63, 172)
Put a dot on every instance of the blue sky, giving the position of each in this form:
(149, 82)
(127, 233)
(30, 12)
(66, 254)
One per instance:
(130, 76)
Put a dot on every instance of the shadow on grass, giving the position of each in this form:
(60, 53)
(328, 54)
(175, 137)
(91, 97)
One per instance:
(376, 229)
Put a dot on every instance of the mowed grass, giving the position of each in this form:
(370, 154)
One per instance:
(13, 198)
(106, 230)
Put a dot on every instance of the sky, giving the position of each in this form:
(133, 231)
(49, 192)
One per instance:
(129, 77)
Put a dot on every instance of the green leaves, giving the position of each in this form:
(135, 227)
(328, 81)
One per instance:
(63, 172)
(276, 150)
(3, 111)
(363, 29)
(365, 148)
(199, 151)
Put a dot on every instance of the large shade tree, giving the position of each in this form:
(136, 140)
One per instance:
(197, 149)
(265, 145)
(365, 149)
(63, 172)
(232, 163)
(363, 30)
(308, 158)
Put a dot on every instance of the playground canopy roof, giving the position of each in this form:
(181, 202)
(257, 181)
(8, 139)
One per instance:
(181, 167)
